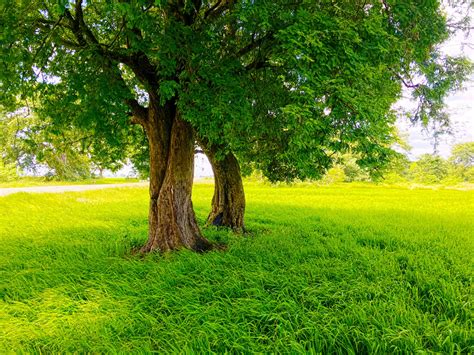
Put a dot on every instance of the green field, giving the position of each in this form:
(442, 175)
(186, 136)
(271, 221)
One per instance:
(337, 268)
(41, 181)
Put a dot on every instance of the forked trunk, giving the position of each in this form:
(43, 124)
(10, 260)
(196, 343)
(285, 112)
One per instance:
(172, 222)
(228, 202)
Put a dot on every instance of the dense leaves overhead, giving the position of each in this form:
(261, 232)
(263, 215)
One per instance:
(283, 84)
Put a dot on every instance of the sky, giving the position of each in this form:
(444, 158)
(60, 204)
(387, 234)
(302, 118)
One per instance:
(460, 107)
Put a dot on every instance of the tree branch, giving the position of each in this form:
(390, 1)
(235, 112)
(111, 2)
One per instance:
(218, 8)
(139, 114)
(255, 44)
(82, 25)
(75, 28)
(43, 42)
(259, 64)
(212, 8)
(69, 44)
(405, 83)
(138, 62)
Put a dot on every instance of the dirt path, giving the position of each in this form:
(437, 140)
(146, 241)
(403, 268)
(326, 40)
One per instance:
(66, 188)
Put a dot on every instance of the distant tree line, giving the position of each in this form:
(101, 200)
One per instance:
(427, 169)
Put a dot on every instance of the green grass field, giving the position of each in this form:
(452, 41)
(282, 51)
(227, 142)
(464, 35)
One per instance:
(337, 268)
(41, 181)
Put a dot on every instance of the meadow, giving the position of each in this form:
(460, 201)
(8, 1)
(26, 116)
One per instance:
(41, 181)
(343, 268)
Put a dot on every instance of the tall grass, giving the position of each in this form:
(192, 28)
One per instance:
(322, 269)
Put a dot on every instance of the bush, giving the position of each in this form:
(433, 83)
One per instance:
(469, 174)
(429, 169)
(334, 175)
(7, 171)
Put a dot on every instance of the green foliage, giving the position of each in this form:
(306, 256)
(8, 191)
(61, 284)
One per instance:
(429, 169)
(66, 164)
(30, 143)
(285, 86)
(346, 170)
(138, 154)
(462, 161)
(352, 171)
(68, 152)
(463, 154)
(12, 144)
(329, 269)
(334, 175)
(397, 170)
(7, 171)
(469, 174)
(434, 169)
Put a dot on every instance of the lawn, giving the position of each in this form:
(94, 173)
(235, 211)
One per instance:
(322, 269)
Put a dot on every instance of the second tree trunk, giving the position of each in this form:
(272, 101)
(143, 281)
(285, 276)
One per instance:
(228, 202)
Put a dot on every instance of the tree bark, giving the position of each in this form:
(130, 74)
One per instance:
(172, 222)
(228, 202)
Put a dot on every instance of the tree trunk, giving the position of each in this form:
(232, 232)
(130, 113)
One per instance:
(172, 222)
(228, 202)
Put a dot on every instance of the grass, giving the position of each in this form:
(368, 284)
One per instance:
(41, 181)
(323, 269)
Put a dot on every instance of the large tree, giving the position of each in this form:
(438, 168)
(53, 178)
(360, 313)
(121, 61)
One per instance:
(283, 84)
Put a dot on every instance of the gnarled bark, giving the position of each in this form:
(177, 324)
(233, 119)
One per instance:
(228, 202)
(172, 222)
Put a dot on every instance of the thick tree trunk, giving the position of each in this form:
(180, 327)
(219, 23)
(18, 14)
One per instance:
(228, 202)
(172, 222)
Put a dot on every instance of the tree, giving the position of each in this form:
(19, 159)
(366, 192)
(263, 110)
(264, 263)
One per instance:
(462, 159)
(463, 154)
(7, 171)
(397, 170)
(429, 169)
(283, 85)
(228, 201)
(12, 144)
